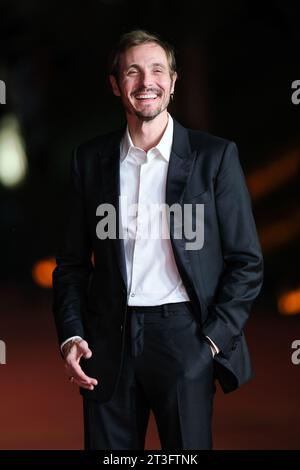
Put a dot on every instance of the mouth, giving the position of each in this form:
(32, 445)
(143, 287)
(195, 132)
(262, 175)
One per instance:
(145, 96)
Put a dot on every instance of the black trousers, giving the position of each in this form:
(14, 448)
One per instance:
(168, 368)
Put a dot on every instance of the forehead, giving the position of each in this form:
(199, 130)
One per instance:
(144, 54)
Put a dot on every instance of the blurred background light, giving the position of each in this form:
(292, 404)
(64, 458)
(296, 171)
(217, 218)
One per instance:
(289, 303)
(13, 160)
(275, 174)
(42, 272)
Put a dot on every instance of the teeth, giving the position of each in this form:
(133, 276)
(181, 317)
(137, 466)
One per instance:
(143, 97)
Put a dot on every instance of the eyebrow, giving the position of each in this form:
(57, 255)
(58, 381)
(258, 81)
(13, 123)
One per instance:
(158, 64)
(155, 64)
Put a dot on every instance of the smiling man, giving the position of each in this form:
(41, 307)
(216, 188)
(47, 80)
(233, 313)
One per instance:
(145, 80)
(151, 324)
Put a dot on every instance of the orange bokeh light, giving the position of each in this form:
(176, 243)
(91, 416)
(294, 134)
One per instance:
(289, 303)
(42, 272)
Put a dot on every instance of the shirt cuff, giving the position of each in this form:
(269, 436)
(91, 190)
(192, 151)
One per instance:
(213, 346)
(69, 339)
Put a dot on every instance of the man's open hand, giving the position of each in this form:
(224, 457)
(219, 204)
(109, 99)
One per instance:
(73, 351)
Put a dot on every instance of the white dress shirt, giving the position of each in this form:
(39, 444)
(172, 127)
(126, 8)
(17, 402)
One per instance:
(152, 274)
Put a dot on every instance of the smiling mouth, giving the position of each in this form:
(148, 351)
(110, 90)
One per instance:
(146, 96)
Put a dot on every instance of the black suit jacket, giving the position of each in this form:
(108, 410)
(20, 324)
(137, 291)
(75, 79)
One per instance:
(223, 278)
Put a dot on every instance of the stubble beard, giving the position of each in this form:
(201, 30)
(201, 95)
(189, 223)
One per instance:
(143, 116)
(146, 116)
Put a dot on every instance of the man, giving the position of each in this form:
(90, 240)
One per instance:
(150, 322)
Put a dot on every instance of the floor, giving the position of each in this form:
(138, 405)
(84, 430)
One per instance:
(40, 409)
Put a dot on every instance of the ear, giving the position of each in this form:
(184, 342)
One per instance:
(173, 78)
(114, 85)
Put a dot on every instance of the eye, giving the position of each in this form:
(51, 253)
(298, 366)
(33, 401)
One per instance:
(132, 72)
(158, 71)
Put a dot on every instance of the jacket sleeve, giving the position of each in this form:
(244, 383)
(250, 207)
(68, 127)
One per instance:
(242, 277)
(74, 266)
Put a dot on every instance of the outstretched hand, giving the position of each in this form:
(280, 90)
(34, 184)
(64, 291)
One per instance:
(73, 352)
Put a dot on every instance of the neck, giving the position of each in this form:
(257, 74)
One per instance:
(147, 134)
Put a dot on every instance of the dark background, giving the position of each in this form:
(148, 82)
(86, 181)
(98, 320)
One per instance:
(237, 61)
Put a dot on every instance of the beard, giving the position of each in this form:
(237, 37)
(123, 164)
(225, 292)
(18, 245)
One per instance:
(148, 115)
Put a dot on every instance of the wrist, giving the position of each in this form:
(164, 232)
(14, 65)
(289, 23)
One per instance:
(68, 345)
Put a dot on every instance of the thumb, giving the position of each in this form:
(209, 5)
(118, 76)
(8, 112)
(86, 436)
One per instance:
(85, 350)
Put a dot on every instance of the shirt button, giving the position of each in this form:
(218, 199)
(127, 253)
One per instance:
(132, 295)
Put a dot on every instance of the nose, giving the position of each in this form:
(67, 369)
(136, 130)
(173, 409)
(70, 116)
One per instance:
(146, 79)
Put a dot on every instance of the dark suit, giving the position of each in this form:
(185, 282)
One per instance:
(223, 278)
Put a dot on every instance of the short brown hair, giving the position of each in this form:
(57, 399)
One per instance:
(137, 37)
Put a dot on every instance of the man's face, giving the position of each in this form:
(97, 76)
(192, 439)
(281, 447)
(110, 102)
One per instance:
(144, 83)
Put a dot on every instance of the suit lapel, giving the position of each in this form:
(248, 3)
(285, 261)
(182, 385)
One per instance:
(180, 167)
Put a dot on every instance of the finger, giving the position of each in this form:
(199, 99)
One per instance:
(77, 372)
(88, 354)
(80, 349)
(81, 381)
(71, 373)
(82, 384)
(83, 349)
(73, 368)
(73, 360)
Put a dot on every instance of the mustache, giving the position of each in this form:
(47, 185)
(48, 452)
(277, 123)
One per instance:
(157, 91)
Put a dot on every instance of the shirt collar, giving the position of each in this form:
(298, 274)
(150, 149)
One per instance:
(164, 146)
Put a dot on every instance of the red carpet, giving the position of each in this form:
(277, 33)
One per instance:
(40, 409)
